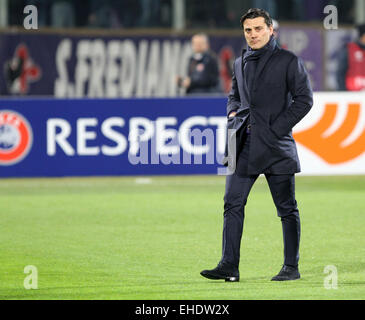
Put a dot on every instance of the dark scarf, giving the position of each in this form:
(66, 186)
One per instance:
(250, 60)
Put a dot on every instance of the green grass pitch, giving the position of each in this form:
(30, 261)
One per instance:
(149, 238)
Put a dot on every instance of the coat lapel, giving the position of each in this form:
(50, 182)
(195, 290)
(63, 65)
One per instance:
(241, 80)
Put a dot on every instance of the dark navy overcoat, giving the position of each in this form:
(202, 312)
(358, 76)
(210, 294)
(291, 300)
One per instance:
(281, 96)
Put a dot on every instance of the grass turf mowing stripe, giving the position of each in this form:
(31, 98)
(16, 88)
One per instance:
(115, 238)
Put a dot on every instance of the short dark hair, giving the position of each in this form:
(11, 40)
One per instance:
(256, 13)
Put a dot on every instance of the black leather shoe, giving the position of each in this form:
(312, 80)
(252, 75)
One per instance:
(287, 273)
(222, 271)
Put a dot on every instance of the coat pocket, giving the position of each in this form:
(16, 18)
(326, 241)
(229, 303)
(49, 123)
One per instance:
(283, 146)
(268, 137)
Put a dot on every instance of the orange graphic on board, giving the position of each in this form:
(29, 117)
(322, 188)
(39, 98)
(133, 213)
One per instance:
(330, 148)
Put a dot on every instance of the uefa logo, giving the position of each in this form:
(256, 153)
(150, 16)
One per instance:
(15, 137)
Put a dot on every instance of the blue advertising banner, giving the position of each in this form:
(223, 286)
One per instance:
(107, 66)
(103, 66)
(65, 137)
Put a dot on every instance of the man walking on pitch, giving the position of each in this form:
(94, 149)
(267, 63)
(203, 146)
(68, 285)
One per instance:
(270, 94)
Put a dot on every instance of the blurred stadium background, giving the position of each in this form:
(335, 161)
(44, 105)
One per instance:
(94, 82)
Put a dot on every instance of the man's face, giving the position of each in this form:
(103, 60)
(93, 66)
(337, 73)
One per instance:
(199, 44)
(256, 32)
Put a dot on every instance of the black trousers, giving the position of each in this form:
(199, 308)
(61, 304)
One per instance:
(282, 189)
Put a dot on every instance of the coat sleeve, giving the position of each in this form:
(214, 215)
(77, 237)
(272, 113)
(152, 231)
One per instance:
(302, 98)
(234, 101)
